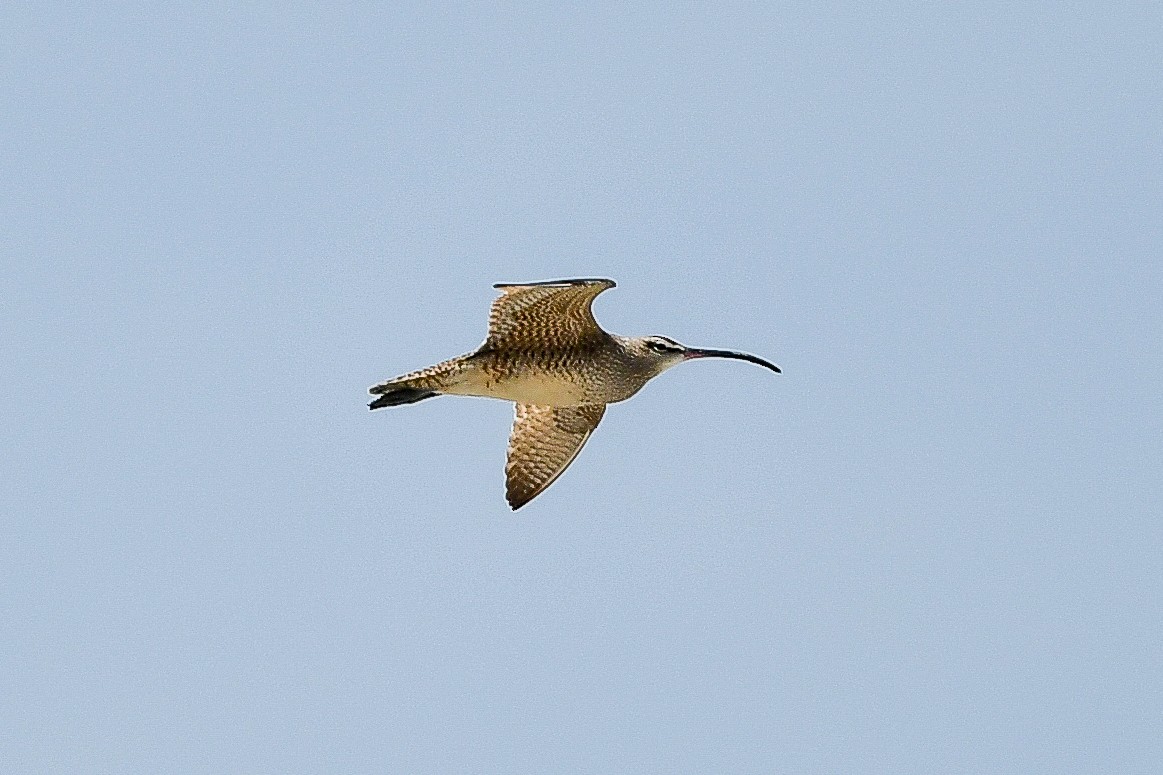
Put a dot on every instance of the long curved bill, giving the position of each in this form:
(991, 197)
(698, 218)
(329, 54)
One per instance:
(694, 352)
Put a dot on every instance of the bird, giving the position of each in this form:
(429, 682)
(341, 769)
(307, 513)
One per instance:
(545, 352)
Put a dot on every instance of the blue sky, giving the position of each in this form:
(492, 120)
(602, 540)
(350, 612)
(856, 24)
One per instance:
(932, 545)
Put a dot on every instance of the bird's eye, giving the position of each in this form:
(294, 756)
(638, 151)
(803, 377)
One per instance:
(659, 347)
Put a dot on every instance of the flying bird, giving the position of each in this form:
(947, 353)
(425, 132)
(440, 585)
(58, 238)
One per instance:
(545, 352)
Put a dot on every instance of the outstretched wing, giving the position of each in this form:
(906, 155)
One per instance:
(544, 441)
(546, 315)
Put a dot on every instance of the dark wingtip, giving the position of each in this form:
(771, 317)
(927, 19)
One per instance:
(561, 283)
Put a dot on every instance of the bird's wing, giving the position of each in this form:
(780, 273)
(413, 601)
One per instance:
(544, 441)
(546, 315)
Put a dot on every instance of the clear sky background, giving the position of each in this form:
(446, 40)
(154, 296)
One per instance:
(934, 544)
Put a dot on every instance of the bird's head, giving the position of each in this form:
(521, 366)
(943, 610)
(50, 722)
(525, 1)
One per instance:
(660, 353)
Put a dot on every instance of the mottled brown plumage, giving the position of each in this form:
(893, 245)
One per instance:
(544, 441)
(545, 352)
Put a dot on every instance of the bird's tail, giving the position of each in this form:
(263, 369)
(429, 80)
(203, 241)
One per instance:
(395, 395)
(416, 386)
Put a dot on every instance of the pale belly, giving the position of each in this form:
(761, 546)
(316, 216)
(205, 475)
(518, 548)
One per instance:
(541, 389)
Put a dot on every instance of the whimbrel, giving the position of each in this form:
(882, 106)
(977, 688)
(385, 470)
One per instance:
(545, 352)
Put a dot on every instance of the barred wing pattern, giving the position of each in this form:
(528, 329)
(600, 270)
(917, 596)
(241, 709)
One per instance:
(547, 315)
(544, 441)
